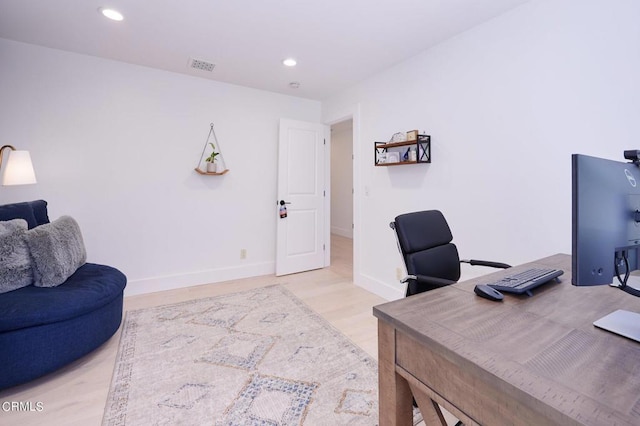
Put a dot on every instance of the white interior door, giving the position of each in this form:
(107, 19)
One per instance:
(301, 185)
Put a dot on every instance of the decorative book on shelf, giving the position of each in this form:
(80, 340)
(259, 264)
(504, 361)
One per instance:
(203, 166)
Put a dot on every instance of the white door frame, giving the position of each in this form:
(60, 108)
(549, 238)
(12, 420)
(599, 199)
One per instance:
(352, 112)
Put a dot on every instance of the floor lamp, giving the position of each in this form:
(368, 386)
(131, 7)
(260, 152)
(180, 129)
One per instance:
(18, 169)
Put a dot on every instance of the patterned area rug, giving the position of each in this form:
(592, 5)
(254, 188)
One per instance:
(259, 357)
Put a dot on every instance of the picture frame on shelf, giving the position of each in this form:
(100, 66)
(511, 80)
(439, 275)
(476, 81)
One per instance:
(412, 135)
(393, 157)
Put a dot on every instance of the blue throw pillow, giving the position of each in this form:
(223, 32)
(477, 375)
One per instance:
(40, 211)
(19, 211)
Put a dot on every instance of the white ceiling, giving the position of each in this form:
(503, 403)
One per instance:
(337, 43)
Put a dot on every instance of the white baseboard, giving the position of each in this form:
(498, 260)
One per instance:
(388, 291)
(170, 282)
(347, 233)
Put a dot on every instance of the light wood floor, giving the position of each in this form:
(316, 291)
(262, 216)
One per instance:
(76, 394)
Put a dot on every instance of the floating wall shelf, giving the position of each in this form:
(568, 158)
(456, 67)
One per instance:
(202, 172)
(219, 159)
(417, 151)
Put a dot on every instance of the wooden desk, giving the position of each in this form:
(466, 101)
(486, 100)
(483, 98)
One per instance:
(524, 361)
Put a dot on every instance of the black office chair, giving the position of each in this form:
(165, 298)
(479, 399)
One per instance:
(431, 259)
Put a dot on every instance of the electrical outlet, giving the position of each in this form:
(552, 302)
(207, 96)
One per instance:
(398, 274)
(243, 253)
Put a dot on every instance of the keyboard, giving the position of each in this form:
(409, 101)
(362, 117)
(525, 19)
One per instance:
(524, 282)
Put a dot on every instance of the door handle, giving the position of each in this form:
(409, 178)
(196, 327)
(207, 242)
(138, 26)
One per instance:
(283, 202)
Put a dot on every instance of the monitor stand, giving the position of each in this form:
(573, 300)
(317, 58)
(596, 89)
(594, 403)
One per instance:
(621, 322)
(624, 323)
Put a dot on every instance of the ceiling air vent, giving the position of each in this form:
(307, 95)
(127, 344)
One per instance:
(199, 64)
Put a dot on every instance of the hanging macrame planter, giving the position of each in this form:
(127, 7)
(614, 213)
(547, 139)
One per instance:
(213, 164)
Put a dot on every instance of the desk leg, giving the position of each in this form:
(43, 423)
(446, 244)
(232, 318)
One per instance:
(431, 413)
(395, 400)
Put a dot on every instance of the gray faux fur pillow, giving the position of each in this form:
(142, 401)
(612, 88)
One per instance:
(57, 250)
(15, 264)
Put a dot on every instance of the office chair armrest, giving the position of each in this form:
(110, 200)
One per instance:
(475, 262)
(421, 283)
(431, 281)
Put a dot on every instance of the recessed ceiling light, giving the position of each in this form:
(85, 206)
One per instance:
(290, 62)
(111, 14)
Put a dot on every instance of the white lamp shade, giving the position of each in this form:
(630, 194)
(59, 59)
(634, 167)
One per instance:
(18, 169)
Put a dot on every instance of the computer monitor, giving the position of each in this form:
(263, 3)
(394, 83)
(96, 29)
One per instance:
(605, 231)
(605, 220)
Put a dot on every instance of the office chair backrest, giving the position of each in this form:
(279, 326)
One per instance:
(425, 242)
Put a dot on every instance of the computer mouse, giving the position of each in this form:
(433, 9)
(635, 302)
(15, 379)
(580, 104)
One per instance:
(487, 292)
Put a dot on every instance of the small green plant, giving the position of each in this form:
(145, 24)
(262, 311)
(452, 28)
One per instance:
(212, 157)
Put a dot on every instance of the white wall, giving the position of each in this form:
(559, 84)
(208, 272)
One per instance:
(342, 179)
(506, 103)
(114, 145)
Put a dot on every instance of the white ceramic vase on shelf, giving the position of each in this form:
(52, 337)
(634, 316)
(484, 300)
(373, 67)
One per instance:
(211, 167)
